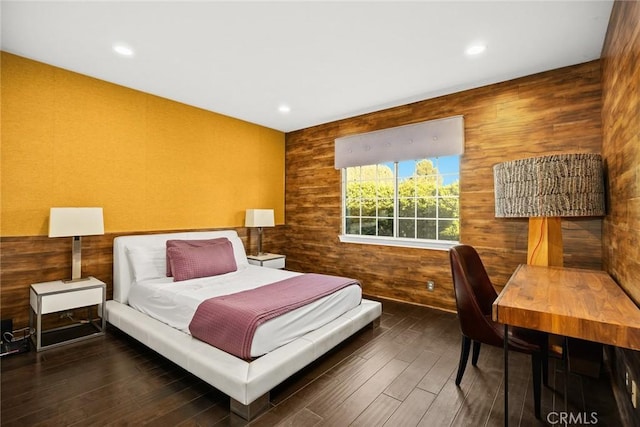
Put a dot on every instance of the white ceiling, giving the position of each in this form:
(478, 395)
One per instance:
(326, 60)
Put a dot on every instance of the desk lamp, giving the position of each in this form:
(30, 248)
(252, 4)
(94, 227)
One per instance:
(76, 222)
(544, 189)
(259, 218)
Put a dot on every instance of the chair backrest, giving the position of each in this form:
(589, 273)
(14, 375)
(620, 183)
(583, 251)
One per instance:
(474, 295)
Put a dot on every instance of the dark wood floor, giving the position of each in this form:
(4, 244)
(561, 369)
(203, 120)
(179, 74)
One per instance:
(398, 374)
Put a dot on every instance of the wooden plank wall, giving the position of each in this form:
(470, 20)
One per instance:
(621, 152)
(34, 259)
(621, 146)
(553, 112)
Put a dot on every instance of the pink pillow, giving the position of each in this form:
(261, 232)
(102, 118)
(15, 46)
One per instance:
(190, 243)
(191, 262)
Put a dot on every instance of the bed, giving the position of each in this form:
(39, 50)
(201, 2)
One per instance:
(247, 381)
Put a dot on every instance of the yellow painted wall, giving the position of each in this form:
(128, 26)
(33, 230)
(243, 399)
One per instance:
(151, 163)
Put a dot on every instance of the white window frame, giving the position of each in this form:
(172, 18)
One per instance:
(443, 245)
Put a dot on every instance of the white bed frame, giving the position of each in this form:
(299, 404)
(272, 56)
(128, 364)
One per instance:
(247, 383)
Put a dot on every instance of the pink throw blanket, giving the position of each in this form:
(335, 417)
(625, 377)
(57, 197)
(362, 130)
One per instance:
(230, 321)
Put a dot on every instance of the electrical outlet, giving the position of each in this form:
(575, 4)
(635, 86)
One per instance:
(634, 393)
(431, 285)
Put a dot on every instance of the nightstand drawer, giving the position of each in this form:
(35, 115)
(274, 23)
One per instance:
(67, 300)
(274, 263)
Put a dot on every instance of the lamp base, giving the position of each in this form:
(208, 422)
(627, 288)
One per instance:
(76, 261)
(545, 241)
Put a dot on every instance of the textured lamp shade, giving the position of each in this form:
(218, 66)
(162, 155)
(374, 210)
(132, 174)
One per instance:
(259, 218)
(75, 222)
(559, 185)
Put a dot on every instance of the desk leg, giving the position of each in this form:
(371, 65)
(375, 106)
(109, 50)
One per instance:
(506, 375)
(565, 362)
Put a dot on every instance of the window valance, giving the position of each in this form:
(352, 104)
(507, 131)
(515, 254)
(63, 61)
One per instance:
(433, 138)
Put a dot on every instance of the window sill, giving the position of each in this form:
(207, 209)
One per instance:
(390, 241)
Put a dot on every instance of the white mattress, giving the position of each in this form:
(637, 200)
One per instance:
(174, 303)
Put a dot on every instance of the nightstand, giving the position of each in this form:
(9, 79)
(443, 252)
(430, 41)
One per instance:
(52, 297)
(267, 260)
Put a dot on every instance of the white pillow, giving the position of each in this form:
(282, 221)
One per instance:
(238, 251)
(147, 262)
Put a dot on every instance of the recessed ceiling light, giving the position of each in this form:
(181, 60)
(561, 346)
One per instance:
(284, 109)
(476, 49)
(123, 49)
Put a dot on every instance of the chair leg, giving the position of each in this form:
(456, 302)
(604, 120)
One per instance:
(476, 352)
(536, 363)
(464, 356)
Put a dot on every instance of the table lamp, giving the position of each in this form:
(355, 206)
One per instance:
(259, 218)
(544, 189)
(76, 222)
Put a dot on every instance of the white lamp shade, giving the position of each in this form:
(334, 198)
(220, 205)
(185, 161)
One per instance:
(259, 218)
(65, 222)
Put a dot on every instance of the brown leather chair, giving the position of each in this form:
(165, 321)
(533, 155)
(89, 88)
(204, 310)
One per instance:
(474, 297)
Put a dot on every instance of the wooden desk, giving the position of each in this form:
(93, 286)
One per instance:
(570, 302)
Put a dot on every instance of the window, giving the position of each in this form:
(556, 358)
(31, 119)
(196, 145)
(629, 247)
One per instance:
(400, 186)
(410, 200)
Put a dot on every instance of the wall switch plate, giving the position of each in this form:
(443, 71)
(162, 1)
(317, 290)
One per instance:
(431, 285)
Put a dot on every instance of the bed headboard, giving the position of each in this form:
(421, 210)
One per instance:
(123, 272)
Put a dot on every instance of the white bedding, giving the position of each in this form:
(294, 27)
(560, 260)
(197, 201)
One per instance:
(175, 303)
